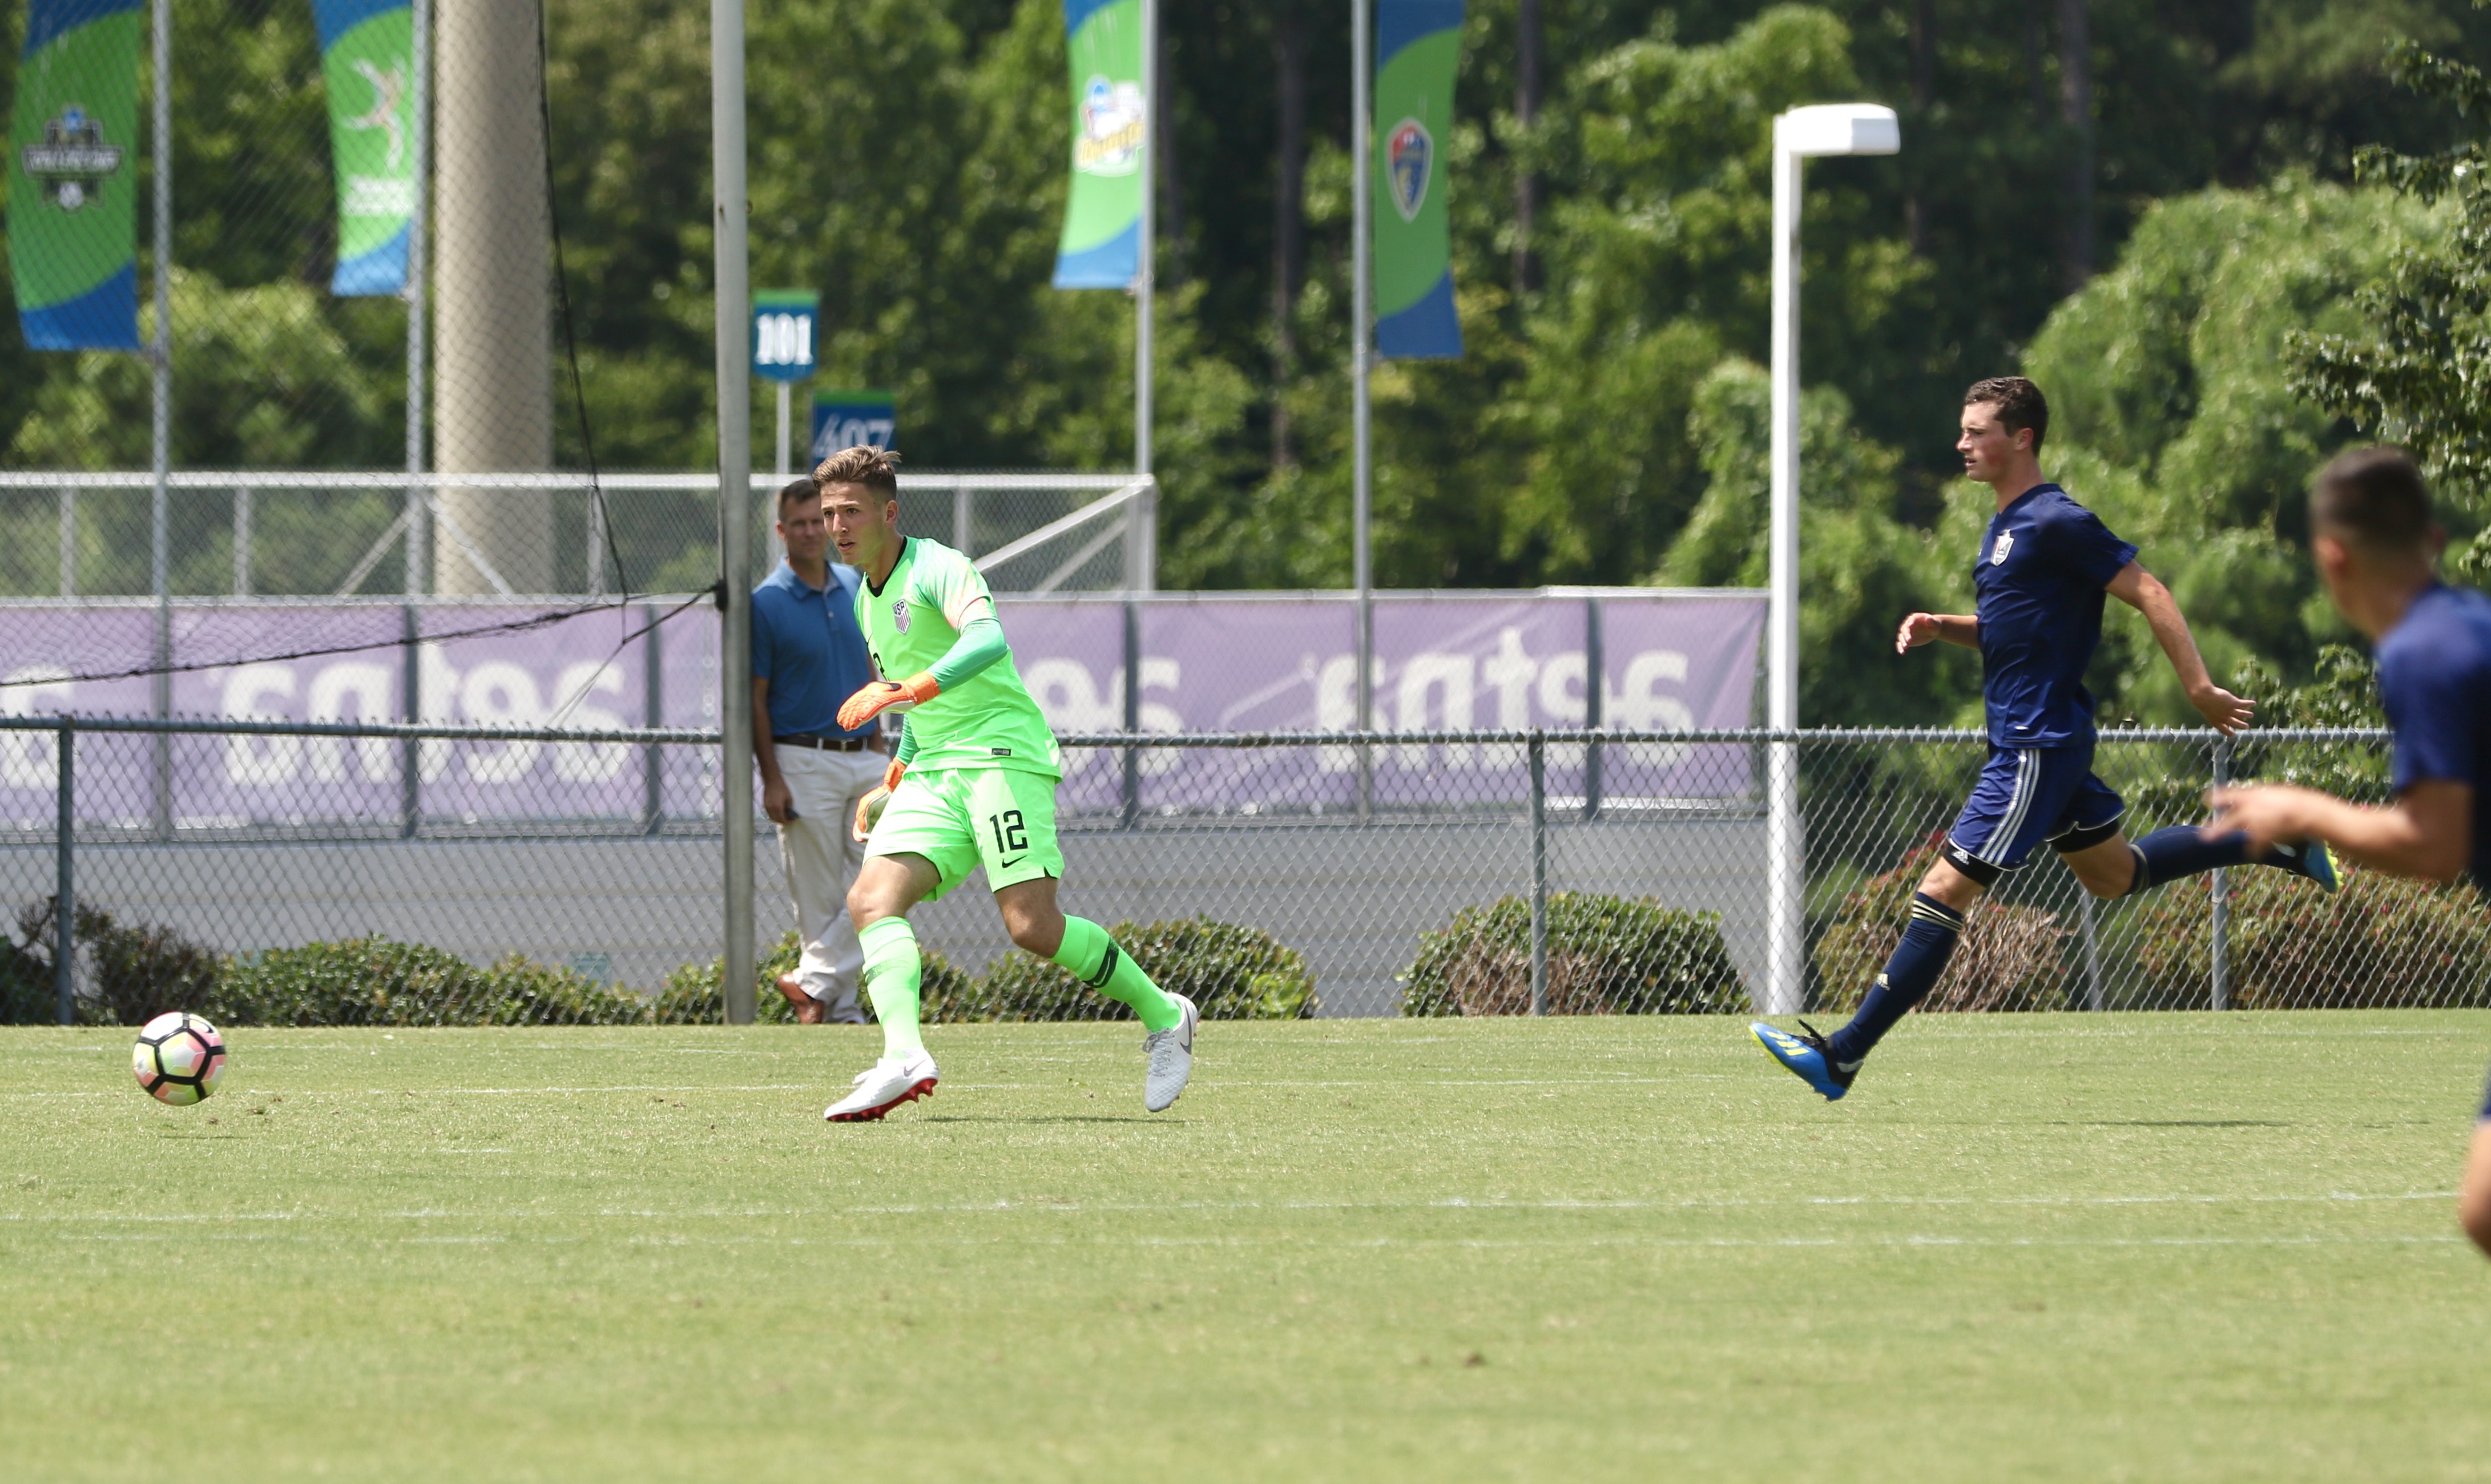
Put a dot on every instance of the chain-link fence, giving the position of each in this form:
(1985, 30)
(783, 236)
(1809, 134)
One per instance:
(1426, 872)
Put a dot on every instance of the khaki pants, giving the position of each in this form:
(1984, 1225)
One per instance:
(821, 860)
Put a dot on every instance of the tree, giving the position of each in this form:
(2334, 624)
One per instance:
(2415, 372)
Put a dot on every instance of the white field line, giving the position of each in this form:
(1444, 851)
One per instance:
(1078, 1207)
(1294, 1242)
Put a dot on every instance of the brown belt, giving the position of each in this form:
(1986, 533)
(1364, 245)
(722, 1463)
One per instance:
(870, 741)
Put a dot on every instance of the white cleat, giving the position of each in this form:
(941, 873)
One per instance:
(1171, 1054)
(883, 1086)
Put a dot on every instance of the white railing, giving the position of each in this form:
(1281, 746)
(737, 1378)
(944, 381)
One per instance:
(1013, 535)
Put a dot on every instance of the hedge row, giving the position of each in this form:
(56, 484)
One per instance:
(1231, 973)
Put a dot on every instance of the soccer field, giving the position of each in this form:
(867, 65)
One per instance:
(2153, 1247)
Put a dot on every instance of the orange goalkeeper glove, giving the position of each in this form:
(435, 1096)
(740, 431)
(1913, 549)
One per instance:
(879, 696)
(869, 808)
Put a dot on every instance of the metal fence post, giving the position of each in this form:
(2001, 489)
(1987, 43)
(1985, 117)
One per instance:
(652, 714)
(1595, 685)
(410, 752)
(64, 881)
(1133, 797)
(2092, 951)
(1539, 872)
(2221, 933)
(965, 518)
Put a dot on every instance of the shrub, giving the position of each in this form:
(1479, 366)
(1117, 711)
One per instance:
(2008, 960)
(690, 995)
(26, 993)
(1607, 955)
(1230, 973)
(2381, 941)
(379, 981)
(136, 972)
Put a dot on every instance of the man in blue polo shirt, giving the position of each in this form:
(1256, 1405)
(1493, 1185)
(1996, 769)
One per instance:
(2376, 549)
(808, 656)
(2040, 577)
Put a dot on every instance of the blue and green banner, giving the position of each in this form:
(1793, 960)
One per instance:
(1102, 213)
(1418, 50)
(367, 60)
(74, 176)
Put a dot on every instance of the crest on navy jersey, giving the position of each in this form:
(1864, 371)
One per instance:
(899, 615)
(1997, 553)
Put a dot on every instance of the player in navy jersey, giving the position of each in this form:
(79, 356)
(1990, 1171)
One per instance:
(2377, 550)
(2041, 577)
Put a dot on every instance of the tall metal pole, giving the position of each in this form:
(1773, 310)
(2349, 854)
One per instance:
(1146, 274)
(160, 439)
(1785, 905)
(786, 394)
(1362, 340)
(418, 555)
(734, 494)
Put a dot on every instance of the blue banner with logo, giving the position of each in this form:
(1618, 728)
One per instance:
(1101, 247)
(74, 176)
(1417, 50)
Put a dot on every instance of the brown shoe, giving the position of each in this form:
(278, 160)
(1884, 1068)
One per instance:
(809, 1010)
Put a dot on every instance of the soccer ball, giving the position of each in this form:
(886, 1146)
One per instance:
(178, 1059)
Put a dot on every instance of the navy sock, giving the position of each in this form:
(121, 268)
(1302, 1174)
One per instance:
(2167, 855)
(1928, 940)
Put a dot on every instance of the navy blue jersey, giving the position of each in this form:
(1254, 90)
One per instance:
(2435, 677)
(2039, 582)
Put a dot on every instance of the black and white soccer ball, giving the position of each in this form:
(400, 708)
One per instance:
(178, 1058)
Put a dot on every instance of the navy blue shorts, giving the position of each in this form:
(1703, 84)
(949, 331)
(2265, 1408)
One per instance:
(2025, 796)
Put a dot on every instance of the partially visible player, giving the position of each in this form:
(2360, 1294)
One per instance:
(972, 784)
(2039, 578)
(2377, 550)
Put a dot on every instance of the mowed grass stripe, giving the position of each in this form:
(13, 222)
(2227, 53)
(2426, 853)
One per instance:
(2037, 1247)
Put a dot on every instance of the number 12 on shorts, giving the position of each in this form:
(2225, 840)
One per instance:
(1008, 835)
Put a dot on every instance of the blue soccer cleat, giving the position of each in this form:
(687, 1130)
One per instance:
(1807, 1056)
(2306, 858)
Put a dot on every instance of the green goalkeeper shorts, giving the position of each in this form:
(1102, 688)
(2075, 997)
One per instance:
(962, 818)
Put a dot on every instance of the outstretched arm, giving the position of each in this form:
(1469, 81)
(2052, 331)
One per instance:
(2427, 833)
(2143, 592)
(1953, 628)
(981, 644)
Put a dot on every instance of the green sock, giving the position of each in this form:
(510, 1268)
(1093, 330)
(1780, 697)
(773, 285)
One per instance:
(1094, 960)
(892, 973)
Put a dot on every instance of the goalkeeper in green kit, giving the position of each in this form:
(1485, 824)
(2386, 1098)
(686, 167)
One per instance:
(972, 784)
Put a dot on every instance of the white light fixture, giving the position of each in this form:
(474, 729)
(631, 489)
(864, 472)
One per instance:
(1817, 130)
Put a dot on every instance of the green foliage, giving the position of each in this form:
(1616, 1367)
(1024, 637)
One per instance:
(2007, 958)
(27, 996)
(2381, 941)
(379, 981)
(1607, 955)
(692, 997)
(1229, 971)
(2412, 372)
(135, 972)
(2175, 415)
(1861, 568)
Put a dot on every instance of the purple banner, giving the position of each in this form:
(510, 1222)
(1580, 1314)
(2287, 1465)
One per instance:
(1231, 663)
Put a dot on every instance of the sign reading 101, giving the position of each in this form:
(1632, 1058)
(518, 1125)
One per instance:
(782, 333)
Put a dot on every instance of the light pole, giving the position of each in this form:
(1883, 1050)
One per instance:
(1823, 129)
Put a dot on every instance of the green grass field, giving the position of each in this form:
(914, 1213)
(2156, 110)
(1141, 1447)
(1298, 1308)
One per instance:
(2162, 1247)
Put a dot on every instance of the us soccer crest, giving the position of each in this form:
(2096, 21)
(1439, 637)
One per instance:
(1409, 159)
(73, 161)
(899, 615)
(1998, 553)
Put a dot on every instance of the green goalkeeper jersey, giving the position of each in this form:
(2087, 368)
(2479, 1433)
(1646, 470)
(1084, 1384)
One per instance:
(990, 720)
